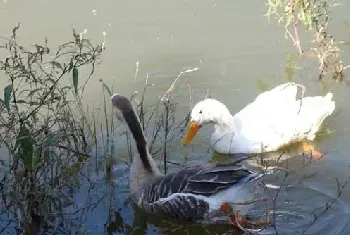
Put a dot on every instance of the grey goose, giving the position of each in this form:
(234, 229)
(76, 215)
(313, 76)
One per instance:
(193, 194)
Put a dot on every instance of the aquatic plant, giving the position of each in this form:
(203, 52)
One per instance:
(43, 128)
(314, 15)
(48, 135)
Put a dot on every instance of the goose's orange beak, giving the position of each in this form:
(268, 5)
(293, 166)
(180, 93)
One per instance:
(191, 132)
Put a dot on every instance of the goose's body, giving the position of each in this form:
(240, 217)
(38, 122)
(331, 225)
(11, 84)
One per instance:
(193, 194)
(276, 118)
(196, 193)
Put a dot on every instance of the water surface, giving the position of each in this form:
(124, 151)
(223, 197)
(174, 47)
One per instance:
(237, 53)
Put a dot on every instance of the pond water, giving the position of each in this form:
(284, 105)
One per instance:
(237, 53)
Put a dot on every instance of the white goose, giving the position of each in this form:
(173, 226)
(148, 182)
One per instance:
(193, 194)
(276, 118)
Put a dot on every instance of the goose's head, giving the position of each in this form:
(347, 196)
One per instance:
(207, 111)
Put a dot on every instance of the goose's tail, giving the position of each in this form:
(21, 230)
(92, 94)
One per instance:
(313, 112)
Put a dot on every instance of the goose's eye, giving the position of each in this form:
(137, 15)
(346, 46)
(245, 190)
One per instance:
(200, 111)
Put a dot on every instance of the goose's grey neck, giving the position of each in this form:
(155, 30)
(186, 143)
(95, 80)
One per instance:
(132, 120)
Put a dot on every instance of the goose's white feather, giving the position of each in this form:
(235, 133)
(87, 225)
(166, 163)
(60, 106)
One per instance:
(274, 119)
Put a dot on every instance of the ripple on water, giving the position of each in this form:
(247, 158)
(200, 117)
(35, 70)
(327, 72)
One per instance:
(300, 208)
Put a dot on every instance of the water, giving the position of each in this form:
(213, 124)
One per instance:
(235, 49)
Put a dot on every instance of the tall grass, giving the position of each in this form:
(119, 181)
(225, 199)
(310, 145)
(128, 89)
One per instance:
(49, 135)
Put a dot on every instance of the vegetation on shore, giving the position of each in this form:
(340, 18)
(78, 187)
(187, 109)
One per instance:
(311, 17)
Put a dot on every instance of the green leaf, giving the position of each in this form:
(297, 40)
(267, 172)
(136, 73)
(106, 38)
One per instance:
(51, 80)
(290, 64)
(50, 139)
(7, 96)
(34, 103)
(261, 85)
(309, 21)
(56, 64)
(88, 43)
(36, 158)
(21, 102)
(71, 65)
(107, 89)
(75, 79)
(324, 87)
(31, 93)
(25, 142)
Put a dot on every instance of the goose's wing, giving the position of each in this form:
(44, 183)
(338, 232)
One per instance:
(187, 194)
(270, 100)
(280, 125)
(280, 94)
(256, 115)
(302, 119)
(212, 179)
